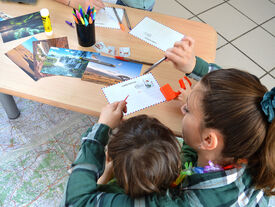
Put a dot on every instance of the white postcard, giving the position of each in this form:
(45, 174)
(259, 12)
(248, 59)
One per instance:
(142, 92)
(107, 18)
(156, 34)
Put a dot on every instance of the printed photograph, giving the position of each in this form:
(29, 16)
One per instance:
(41, 49)
(3, 16)
(66, 62)
(22, 26)
(22, 56)
(119, 70)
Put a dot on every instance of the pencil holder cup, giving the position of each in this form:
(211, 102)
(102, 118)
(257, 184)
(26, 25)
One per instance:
(86, 34)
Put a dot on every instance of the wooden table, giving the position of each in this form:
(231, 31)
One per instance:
(86, 97)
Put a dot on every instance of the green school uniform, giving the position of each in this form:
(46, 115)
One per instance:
(223, 188)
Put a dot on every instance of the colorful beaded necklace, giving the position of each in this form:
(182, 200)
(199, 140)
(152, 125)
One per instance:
(190, 170)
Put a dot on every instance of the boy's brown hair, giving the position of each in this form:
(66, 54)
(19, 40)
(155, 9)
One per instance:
(145, 155)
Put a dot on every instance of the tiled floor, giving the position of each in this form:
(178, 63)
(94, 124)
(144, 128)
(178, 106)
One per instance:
(246, 31)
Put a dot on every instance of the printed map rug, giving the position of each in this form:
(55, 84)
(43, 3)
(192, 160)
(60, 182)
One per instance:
(36, 152)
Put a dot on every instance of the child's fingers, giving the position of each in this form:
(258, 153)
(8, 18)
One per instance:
(185, 46)
(189, 40)
(177, 51)
(113, 105)
(125, 109)
(174, 58)
(121, 105)
(98, 4)
(185, 43)
(178, 43)
(182, 45)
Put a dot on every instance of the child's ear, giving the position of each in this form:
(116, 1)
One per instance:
(210, 139)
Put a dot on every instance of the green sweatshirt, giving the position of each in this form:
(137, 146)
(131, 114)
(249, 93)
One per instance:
(232, 187)
(223, 188)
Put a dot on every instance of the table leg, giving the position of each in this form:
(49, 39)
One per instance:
(9, 105)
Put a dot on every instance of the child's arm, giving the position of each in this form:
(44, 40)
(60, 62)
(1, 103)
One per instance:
(98, 4)
(183, 57)
(82, 189)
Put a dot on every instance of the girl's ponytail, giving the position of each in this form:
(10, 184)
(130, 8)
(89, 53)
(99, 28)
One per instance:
(264, 160)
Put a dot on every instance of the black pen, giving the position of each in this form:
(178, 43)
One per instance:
(155, 65)
(127, 19)
(97, 61)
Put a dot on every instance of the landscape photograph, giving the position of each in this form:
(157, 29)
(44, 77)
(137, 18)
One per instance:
(41, 49)
(22, 56)
(65, 62)
(22, 26)
(107, 75)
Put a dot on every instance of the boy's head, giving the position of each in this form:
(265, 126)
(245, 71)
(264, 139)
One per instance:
(145, 155)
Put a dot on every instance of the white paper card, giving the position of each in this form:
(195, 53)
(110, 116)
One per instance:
(156, 34)
(107, 18)
(142, 92)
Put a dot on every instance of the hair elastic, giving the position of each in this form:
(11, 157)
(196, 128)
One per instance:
(268, 104)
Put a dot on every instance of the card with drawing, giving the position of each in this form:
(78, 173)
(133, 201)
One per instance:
(107, 18)
(142, 92)
(156, 34)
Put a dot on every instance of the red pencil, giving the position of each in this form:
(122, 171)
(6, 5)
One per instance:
(126, 98)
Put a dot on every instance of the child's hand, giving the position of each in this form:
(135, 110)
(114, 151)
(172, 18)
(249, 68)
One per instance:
(98, 4)
(111, 114)
(108, 173)
(182, 55)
